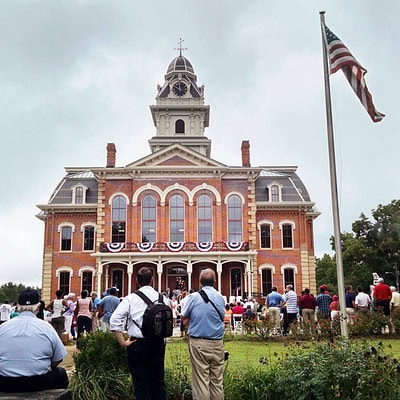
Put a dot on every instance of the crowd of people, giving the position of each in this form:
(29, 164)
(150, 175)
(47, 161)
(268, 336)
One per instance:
(35, 332)
(288, 308)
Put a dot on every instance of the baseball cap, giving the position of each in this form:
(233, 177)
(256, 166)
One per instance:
(28, 297)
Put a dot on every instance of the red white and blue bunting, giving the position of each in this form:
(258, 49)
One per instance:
(115, 247)
(175, 246)
(145, 247)
(204, 246)
(234, 246)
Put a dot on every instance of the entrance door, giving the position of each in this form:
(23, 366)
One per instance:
(177, 279)
(236, 282)
(117, 280)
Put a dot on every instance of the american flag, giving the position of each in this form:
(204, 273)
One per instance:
(340, 57)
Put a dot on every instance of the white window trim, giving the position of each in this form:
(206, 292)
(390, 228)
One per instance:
(184, 219)
(65, 269)
(212, 216)
(266, 266)
(141, 215)
(232, 194)
(84, 190)
(83, 226)
(289, 266)
(110, 200)
(206, 187)
(271, 225)
(274, 183)
(227, 207)
(293, 224)
(149, 187)
(59, 229)
(87, 268)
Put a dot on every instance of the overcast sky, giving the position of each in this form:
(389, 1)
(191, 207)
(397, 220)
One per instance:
(75, 75)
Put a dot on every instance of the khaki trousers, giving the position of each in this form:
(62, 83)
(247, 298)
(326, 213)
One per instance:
(207, 362)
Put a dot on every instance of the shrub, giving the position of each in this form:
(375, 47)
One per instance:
(261, 328)
(368, 324)
(395, 316)
(101, 369)
(342, 370)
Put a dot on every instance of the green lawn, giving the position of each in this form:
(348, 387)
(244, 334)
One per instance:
(245, 354)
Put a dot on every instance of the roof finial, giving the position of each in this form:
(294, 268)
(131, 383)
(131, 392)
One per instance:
(180, 48)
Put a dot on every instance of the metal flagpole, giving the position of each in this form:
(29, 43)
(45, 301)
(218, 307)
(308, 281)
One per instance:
(334, 191)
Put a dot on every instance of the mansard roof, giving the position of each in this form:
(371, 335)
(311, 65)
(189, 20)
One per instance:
(63, 192)
(292, 187)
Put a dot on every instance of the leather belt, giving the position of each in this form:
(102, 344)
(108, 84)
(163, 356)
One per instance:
(203, 338)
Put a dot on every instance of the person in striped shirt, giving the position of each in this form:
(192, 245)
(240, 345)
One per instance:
(291, 308)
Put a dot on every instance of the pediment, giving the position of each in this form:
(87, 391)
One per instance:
(176, 155)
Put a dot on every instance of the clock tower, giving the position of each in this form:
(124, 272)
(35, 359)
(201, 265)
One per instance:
(180, 115)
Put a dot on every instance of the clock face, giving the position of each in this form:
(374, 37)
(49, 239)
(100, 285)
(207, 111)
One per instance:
(179, 88)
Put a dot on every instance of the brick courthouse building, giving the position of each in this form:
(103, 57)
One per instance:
(177, 211)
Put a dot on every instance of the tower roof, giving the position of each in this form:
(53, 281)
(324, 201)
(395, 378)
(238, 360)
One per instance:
(180, 64)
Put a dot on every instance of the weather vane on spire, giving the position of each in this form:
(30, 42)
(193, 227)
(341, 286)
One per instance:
(180, 48)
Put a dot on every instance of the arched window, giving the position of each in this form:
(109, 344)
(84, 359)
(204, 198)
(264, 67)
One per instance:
(180, 126)
(118, 220)
(79, 195)
(204, 218)
(275, 193)
(149, 213)
(234, 219)
(177, 219)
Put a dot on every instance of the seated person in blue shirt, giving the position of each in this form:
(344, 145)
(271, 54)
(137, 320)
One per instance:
(30, 350)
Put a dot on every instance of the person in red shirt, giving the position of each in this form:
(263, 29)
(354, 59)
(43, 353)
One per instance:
(307, 305)
(382, 296)
(238, 309)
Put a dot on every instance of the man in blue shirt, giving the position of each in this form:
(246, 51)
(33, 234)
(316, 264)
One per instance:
(107, 306)
(274, 303)
(30, 350)
(206, 332)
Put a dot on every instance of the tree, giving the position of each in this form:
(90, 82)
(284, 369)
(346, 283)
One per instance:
(10, 291)
(372, 246)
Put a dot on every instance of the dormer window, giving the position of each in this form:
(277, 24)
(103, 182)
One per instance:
(274, 191)
(79, 194)
(180, 126)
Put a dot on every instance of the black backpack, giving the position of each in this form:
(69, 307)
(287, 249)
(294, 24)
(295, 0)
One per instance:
(157, 318)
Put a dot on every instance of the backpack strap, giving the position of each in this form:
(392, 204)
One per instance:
(145, 299)
(206, 299)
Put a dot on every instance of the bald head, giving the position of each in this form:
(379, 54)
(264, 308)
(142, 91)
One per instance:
(207, 277)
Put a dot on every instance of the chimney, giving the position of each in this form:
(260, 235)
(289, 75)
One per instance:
(245, 153)
(111, 151)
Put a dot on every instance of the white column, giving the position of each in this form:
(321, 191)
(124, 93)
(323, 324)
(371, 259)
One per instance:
(189, 270)
(219, 273)
(107, 278)
(130, 272)
(159, 273)
(249, 282)
(99, 275)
